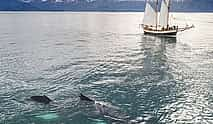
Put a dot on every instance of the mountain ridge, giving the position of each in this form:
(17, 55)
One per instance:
(99, 5)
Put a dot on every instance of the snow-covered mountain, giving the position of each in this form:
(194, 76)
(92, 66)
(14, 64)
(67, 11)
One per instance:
(100, 5)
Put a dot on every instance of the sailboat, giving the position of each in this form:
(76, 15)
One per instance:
(156, 24)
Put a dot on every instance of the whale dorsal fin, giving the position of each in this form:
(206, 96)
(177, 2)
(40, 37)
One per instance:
(85, 98)
(47, 98)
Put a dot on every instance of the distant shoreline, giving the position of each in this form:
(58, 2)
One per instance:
(98, 11)
(190, 6)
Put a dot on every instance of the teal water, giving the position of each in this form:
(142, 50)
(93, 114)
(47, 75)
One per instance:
(105, 56)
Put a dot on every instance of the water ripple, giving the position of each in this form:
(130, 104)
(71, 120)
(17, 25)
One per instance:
(150, 79)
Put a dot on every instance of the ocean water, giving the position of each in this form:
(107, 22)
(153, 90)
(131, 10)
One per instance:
(152, 80)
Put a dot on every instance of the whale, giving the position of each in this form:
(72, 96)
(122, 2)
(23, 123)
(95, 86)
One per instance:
(92, 107)
(41, 99)
(105, 109)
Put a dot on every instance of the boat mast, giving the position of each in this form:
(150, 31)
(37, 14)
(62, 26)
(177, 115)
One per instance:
(156, 15)
(168, 13)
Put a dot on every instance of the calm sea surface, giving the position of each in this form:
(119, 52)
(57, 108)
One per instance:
(106, 57)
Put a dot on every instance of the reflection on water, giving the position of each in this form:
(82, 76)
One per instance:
(150, 79)
(157, 87)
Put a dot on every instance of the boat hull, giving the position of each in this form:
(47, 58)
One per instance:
(153, 32)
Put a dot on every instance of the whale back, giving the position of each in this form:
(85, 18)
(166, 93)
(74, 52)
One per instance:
(41, 99)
